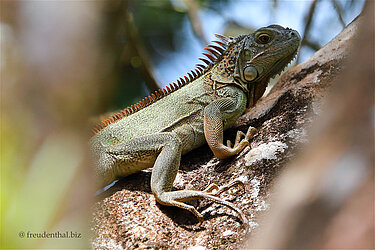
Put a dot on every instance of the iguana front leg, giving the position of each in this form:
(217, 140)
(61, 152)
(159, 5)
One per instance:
(167, 147)
(213, 128)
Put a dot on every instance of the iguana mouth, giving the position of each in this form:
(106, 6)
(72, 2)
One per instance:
(256, 87)
(282, 63)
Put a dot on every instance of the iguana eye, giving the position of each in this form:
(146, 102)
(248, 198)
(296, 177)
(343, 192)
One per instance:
(263, 38)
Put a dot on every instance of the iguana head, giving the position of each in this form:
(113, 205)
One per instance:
(253, 59)
(264, 54)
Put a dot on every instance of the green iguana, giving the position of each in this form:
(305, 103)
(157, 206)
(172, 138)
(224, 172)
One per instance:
(197, 109)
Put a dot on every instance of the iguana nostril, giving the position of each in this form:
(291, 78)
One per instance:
(293, 34)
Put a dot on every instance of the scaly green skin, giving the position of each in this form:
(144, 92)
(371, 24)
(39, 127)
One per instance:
(157, 136)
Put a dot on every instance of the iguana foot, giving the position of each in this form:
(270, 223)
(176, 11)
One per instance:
(215, 190)
(223, 151)
(247, 137)
(177, 198)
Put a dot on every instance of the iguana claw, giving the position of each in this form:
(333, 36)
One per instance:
(219, 190)
(215, 190)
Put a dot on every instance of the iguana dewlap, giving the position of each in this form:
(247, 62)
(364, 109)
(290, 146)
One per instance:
(196, 110)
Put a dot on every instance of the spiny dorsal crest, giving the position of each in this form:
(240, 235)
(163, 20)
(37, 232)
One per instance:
(215, 54)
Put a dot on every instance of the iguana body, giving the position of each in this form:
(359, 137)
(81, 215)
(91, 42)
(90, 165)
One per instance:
(178, 120)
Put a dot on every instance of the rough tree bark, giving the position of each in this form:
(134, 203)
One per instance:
(315, 194)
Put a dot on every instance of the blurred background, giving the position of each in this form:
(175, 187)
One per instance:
(64, 62)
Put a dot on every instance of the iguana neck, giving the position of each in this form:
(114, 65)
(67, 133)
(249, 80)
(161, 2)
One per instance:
(222, 73)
